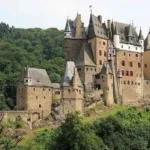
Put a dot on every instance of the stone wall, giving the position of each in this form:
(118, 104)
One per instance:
(131, 83)
(39, 100)
(147, 64)
(72, 99)
(13, 115)
(72, 47)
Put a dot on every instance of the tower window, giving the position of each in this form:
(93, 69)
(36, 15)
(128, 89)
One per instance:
(123, 63)
(100, 62)
(131, 64)
(145, 65)
(131, 73)
(57, 92)
(123, 72)
(39, 106)
(139, 65)
(100, 52)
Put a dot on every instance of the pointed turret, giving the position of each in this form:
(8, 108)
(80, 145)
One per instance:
(141, 35)
(67, 31)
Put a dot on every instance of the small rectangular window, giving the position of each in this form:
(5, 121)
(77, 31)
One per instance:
(100, 62)
(131, 73)
(100, 52)
(123, 63)
(139, 65)
(145, 65)
(131, 64)
(127, 73)
(57, 92)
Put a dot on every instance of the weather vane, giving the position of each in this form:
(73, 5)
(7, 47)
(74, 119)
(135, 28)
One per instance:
(90, 8)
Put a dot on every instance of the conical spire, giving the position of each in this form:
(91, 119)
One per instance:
(130, 34)
(67, 28)
(141, 35)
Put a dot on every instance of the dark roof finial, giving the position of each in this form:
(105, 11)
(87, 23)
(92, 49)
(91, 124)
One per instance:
(90, 8)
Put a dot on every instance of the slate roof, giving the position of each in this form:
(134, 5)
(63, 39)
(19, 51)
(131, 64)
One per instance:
(96, 28)
(125, 31)
(85, 56)
(39, 77)
(106, 69)
(67, 27)
(141, 35)
(71, 27)
(67, 79)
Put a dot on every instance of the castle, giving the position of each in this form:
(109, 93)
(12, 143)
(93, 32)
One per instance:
(109, 60)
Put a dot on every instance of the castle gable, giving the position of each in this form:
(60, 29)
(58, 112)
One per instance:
(67, 79)
(38, 77)
(96, 28)
(85, 57)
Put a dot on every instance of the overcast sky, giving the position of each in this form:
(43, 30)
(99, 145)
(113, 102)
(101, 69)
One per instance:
(53, 13)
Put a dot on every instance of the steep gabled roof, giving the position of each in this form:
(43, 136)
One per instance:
(96, 28)
(106, 69)
(39, 77)
(67, 79)
(125, 31)
(85, 56)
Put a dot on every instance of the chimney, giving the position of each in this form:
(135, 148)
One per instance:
(109, 24)
(100, 19)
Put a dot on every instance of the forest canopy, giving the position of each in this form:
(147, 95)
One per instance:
(34, 47)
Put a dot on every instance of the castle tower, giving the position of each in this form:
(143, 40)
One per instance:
(106, 78)
(97, 37)
(146, 58)
(129, 60)
(34, 92)
(86, 66)
(72, 90)
(74, 35)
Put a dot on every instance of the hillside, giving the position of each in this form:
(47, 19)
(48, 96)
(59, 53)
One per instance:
(127, 129)
(33, 47)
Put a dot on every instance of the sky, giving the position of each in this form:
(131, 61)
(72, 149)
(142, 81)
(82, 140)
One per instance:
(53, 13)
